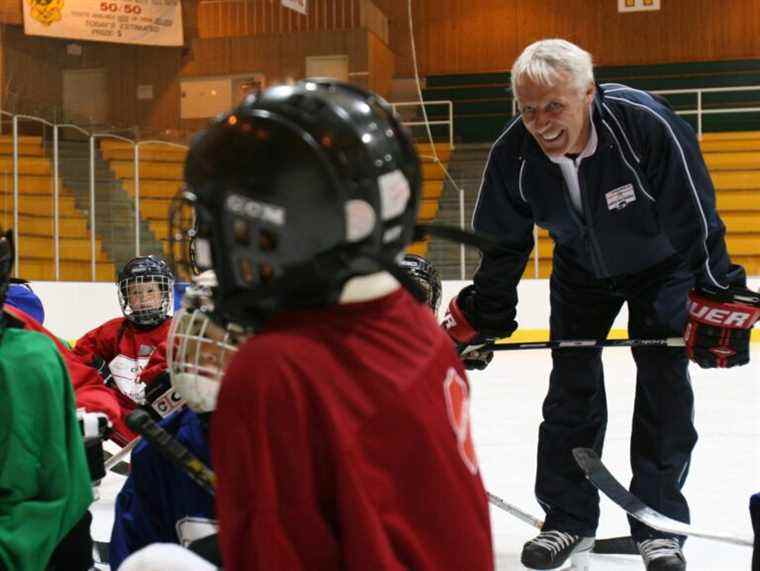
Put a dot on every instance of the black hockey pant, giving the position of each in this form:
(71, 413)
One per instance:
(575, 408)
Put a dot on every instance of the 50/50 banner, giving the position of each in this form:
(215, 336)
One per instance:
(147, 22)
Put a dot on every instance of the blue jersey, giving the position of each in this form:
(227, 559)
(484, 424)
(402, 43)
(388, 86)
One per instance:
(159, 502)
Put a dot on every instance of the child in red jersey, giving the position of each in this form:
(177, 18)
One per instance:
(130, 351)
(341, 438)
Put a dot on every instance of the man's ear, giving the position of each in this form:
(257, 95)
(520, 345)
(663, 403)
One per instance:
(590, 93)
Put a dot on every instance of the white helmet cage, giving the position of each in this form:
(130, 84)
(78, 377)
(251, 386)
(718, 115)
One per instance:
(199, 349)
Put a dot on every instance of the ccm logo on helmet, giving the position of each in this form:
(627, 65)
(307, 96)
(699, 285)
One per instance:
(722, 317)
(249, 208)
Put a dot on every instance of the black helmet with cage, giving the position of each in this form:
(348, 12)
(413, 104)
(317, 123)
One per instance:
(296, 191)
(426, 276)
(145, 288)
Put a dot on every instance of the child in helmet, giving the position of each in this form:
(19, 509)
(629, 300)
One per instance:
(159, 503)
(341, 437)
(130, 351)
(427, 278)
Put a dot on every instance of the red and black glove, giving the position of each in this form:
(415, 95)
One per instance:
(458, 324)
(719, 326)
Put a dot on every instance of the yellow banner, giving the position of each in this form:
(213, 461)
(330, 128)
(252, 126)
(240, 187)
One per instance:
(146, 22)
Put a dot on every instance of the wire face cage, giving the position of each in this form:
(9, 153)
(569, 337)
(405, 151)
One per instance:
(199, 348)
(146, 299)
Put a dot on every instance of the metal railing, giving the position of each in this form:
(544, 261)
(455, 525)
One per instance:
(700, 111)
(14, 120)
(449, 122)
(53, 131)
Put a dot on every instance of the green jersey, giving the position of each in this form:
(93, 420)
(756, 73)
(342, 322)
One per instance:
(44, 480)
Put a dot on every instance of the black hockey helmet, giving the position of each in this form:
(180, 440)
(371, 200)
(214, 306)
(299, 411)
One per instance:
(137, 302)
(426, 277)
(296, 191)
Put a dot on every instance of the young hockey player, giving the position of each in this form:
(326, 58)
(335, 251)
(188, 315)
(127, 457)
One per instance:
(341, 438)
(44, 481)
(159, 502)
(426, 277)
(130, 351)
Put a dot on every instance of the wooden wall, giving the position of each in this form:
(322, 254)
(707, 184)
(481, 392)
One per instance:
(218, 18)
(222, 37)
(33, 67)
(381, 66)
(487, 35)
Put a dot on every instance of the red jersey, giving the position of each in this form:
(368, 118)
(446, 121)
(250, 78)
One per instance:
(91, 393)
(135, 356)
(341, 440)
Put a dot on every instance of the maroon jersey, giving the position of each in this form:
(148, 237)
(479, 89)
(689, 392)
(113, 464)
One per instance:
(134, 355)
(341, 440)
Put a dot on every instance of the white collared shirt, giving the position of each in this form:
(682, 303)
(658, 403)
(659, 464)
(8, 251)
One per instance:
(569, 167)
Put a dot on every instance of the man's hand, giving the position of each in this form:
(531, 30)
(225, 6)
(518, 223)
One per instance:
(719, 327)
(468, 340)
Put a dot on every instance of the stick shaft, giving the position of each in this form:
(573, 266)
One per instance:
(166, 444)
(116, 458)
(586, 344)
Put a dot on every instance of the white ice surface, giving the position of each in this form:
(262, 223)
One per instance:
(506, 411)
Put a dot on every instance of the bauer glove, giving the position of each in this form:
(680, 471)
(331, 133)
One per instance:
(468, 338)
(719, 326)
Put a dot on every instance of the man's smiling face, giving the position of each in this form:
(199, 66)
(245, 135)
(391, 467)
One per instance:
(557, 116)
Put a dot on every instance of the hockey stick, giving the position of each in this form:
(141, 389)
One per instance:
(141, 422)
(607, 545)
(586, 344)
(602, 478)
(114, 460)
(514, 511)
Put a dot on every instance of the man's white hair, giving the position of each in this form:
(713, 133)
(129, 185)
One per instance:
(543, 61)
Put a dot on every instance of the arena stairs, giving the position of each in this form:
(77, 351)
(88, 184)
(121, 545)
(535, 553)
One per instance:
(35, 223)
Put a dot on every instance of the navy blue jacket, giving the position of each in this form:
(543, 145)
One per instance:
(646, 196)
(159, 502)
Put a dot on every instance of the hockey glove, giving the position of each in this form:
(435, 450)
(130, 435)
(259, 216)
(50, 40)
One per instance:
(468, 340)
(160, 397)
(719, 326)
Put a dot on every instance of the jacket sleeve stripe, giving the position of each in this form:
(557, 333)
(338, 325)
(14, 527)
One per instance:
(690, 179)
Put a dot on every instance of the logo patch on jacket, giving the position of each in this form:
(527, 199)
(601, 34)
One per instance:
(620, 197)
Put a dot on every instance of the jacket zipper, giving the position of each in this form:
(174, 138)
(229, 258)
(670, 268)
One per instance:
(595, 249)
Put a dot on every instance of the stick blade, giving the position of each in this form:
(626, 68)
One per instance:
(598, 474)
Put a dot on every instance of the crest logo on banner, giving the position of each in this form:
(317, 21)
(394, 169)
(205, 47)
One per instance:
(46, 11)
(297, 5)
(145, 22)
